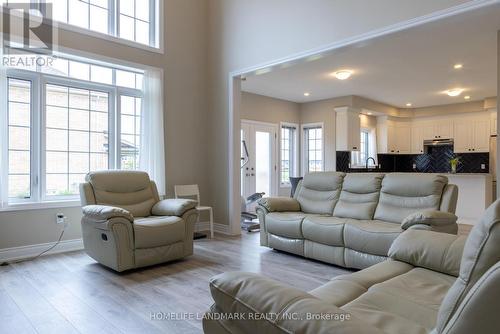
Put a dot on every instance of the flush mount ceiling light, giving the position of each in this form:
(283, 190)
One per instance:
(342, 74)
(307, 94)
(467, 97)
(454, 92)
(458, 66)
(408, 104)
(369, 113)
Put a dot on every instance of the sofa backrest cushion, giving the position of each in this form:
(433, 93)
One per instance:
(319, 192)
(359, 196)
(404, 193)
(481, 252)
(130, 190)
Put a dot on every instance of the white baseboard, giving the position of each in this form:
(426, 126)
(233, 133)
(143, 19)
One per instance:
(222, 229)
(26, 252)
(218, 228)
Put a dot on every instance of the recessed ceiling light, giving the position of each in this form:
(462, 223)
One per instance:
(369, 113)
(467, 97)
(342, 74)
(458, 66)
(307, 94)
(454, 92)
(408, 104)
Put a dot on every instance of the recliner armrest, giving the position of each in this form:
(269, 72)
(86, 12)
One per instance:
(268, 306)
(429, 217)
(428, 249)
(280, 204)
(173, 207)
(102, 213)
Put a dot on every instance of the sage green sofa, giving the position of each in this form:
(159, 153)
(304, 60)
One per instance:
(351, 220)
(125, 225)
(432, 283)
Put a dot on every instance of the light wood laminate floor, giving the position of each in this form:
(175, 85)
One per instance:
(70, 293)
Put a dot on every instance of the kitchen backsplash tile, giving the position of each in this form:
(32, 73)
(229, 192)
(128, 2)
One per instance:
(436, 160)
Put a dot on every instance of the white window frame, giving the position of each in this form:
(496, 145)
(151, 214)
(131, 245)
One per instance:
(156, 24)
(38, 198)
(304, 145)
(294, 153)
(359, 163)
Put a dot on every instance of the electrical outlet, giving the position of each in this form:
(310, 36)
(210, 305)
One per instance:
(483, 166)
(60, 218)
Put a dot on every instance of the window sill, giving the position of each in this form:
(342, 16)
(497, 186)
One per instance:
(41, 205)
(83, 31)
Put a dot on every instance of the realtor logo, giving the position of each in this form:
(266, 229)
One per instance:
(28, 28)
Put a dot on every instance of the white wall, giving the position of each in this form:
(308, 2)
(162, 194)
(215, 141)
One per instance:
(267, 109)
(186, 114)
(246, 33)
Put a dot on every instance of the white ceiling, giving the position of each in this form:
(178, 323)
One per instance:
(414, 66)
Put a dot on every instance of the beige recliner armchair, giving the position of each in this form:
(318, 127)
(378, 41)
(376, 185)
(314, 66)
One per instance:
(125, 225)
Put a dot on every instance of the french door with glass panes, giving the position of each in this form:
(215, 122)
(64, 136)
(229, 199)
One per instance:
(260, 173)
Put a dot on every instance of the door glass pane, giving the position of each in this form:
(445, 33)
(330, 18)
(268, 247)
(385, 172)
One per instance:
(262, 162)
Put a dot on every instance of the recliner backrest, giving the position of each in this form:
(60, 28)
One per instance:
(404, 193)
(481, 253)
(319, 192)
(130, 190)
(359, 196)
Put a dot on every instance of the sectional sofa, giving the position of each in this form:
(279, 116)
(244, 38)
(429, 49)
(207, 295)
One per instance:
(351, 220)
(433, 283)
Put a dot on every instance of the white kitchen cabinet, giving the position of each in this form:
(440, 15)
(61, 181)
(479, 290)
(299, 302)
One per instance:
(393, 136)
(493, 123)
(417, 139)
(437, 129)
(403, 138)
(481, 137)
(444, 128)
(348, 129)
(472, 134)
(464, 134)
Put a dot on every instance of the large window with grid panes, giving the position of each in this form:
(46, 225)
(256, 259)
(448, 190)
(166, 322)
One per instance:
(68, 119)
(312, 143)
(131, 20)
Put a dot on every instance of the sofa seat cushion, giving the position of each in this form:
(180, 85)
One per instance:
(286, 224)
(323, 229)
(370, 236)
(158, 231)
(343, 289)
(407, 303)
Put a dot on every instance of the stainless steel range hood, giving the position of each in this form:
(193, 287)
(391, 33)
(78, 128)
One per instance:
(438, 142)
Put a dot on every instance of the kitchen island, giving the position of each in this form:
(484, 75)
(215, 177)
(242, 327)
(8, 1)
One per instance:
(475, 194)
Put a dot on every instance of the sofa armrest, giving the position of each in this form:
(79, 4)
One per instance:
(429, 217)
(102, 213)
(427, 249)
(267, 306)
(280, 204)
(173, 207)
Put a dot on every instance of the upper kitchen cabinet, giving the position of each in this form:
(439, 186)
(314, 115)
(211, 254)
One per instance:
(393, 135)
(493, 123)
(472, 133)
(417, 138)
(436, 129)
(348, 129)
